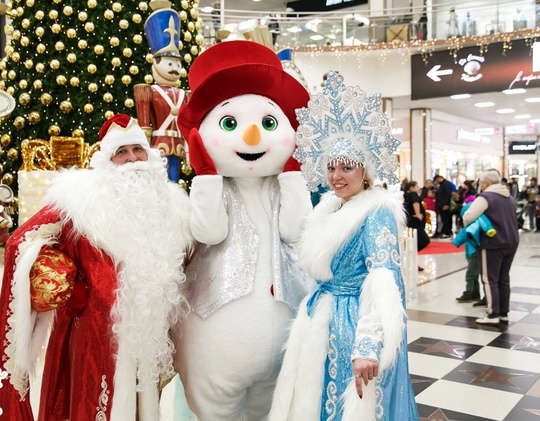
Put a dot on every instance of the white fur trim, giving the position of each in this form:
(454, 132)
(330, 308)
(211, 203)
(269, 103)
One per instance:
(299, 386)
(328, 228)
(354, 408)
(381, 300)
(121, 136)
(295, 205)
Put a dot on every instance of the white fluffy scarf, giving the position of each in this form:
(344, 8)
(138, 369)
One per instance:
(142, 221)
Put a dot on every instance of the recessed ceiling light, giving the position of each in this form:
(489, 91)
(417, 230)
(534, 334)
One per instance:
(534, 99)
(534, 121)
(514, 91)
(256, 1)
(207, 9)
(505, 111)
(294, 29)
(460, 96)
(522, 116)
(484, 104)
(316, 37)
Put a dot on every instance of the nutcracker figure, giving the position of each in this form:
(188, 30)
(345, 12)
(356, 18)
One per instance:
(158, 104)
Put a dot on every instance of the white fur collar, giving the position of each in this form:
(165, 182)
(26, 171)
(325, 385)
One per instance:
(330, 226)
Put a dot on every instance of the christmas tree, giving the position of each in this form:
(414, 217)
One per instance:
(70, 65)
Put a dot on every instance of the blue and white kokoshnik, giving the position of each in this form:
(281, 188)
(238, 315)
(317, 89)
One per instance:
(344, 124)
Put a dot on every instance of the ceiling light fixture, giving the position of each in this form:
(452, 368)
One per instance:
(522, 116)
(484, 104)
(294, 29)
(534, 121)
(207, 9)
(505, 111)
(316, 37)
(514, 91)
(533, 99)
(460, 96)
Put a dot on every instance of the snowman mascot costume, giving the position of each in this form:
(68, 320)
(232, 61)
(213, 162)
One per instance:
(249, 203)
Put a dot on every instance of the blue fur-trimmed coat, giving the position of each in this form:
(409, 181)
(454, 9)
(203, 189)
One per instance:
(353, 253)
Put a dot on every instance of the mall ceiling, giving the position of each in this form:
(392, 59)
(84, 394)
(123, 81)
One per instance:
(462, 107)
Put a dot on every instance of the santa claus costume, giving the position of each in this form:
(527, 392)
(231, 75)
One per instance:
(248, 207)
(101, 267)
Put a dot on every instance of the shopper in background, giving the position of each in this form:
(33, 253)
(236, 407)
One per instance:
(428, 185)
(416, 215)
(443, 198)
(497, 252)
(532, 193)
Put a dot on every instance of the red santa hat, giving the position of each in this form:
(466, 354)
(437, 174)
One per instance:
(120, 130)
(234, 68)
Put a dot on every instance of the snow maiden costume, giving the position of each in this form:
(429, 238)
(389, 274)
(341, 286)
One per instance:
(351, 248)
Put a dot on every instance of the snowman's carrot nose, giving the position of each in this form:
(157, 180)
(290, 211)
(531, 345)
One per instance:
(252, 135)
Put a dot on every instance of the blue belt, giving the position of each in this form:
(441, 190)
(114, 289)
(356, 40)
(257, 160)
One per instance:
(330, 288)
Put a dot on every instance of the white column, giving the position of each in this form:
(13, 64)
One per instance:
(420, 119)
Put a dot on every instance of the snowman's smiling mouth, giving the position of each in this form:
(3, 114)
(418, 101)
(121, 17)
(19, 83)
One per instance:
(250, 156)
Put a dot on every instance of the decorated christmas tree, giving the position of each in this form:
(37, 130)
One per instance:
(72, 64)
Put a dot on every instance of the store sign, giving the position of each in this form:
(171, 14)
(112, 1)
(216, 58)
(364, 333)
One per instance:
(495, 70)
(322, 5)
(471, 136)
(522, 147)
(488, 131)
(520, 129)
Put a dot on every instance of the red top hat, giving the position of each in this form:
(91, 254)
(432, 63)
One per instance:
(233, 68)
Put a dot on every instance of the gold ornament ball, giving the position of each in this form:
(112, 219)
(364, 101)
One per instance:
(124, 24)
(10, 90)
(126, 79)
(187, 36)
(187, 58)
(53, 14)
(109, 79)
(74, 81)
(82, 16)
(61, 79)
(19, 122)
(82, 44)
(127, 52)
(9, 50)
(40, 31)
(88, 108)
(92, 68)
(41, 48)
(56, 28)
(98, 49)
(191, 26)
(148, 79)
(15, 57)
(55, 64)
(137, 39)
(34, 117)
(5, 140)
(107, 97)
(57, 1)
(77, 133)
(194, 50)
(143, 6)
(115, 42)
(66, 107)
(68, 10)
(28, 64)
(30, 3)
(89, 27)
(149, 58)
(25, 41)
(8, 29)
(184, 4)
(180, 45)
(194, 14)
(71, 33)
(117, 7)
(13, 154)
(40, 67)
(129, 103)
(92, 87)
(54, 130)
(23, 84)
(198, 24)
(40, 15)
(136, 18)
(8, 179)
(109, 114)
(24, 98)
(199, 40)
(183, 15)
(71, 57)
(16, 34)
(59, 46)
(92, 4)
(116, 62)
(109, 14)
(183, 73)
(3, 64)
(133, 70)
(38, 84)
(46, 99)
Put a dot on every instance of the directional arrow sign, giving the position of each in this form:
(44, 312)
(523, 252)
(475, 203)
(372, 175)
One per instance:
(434, 73)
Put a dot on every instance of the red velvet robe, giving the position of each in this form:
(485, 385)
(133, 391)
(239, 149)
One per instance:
(80, 364)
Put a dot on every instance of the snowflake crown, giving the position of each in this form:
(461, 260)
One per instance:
(344, 124)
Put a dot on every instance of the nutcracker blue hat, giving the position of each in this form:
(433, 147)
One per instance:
(344, 124)
(162, 30)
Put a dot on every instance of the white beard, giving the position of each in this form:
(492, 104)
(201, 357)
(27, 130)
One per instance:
(141, 220)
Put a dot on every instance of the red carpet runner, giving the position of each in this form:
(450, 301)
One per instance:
(441, 247)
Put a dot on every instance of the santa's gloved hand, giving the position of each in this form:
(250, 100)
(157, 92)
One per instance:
(198, 155)
(292, 165)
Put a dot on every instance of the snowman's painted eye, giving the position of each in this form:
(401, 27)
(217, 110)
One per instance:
(228, 123)
(269, 123)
